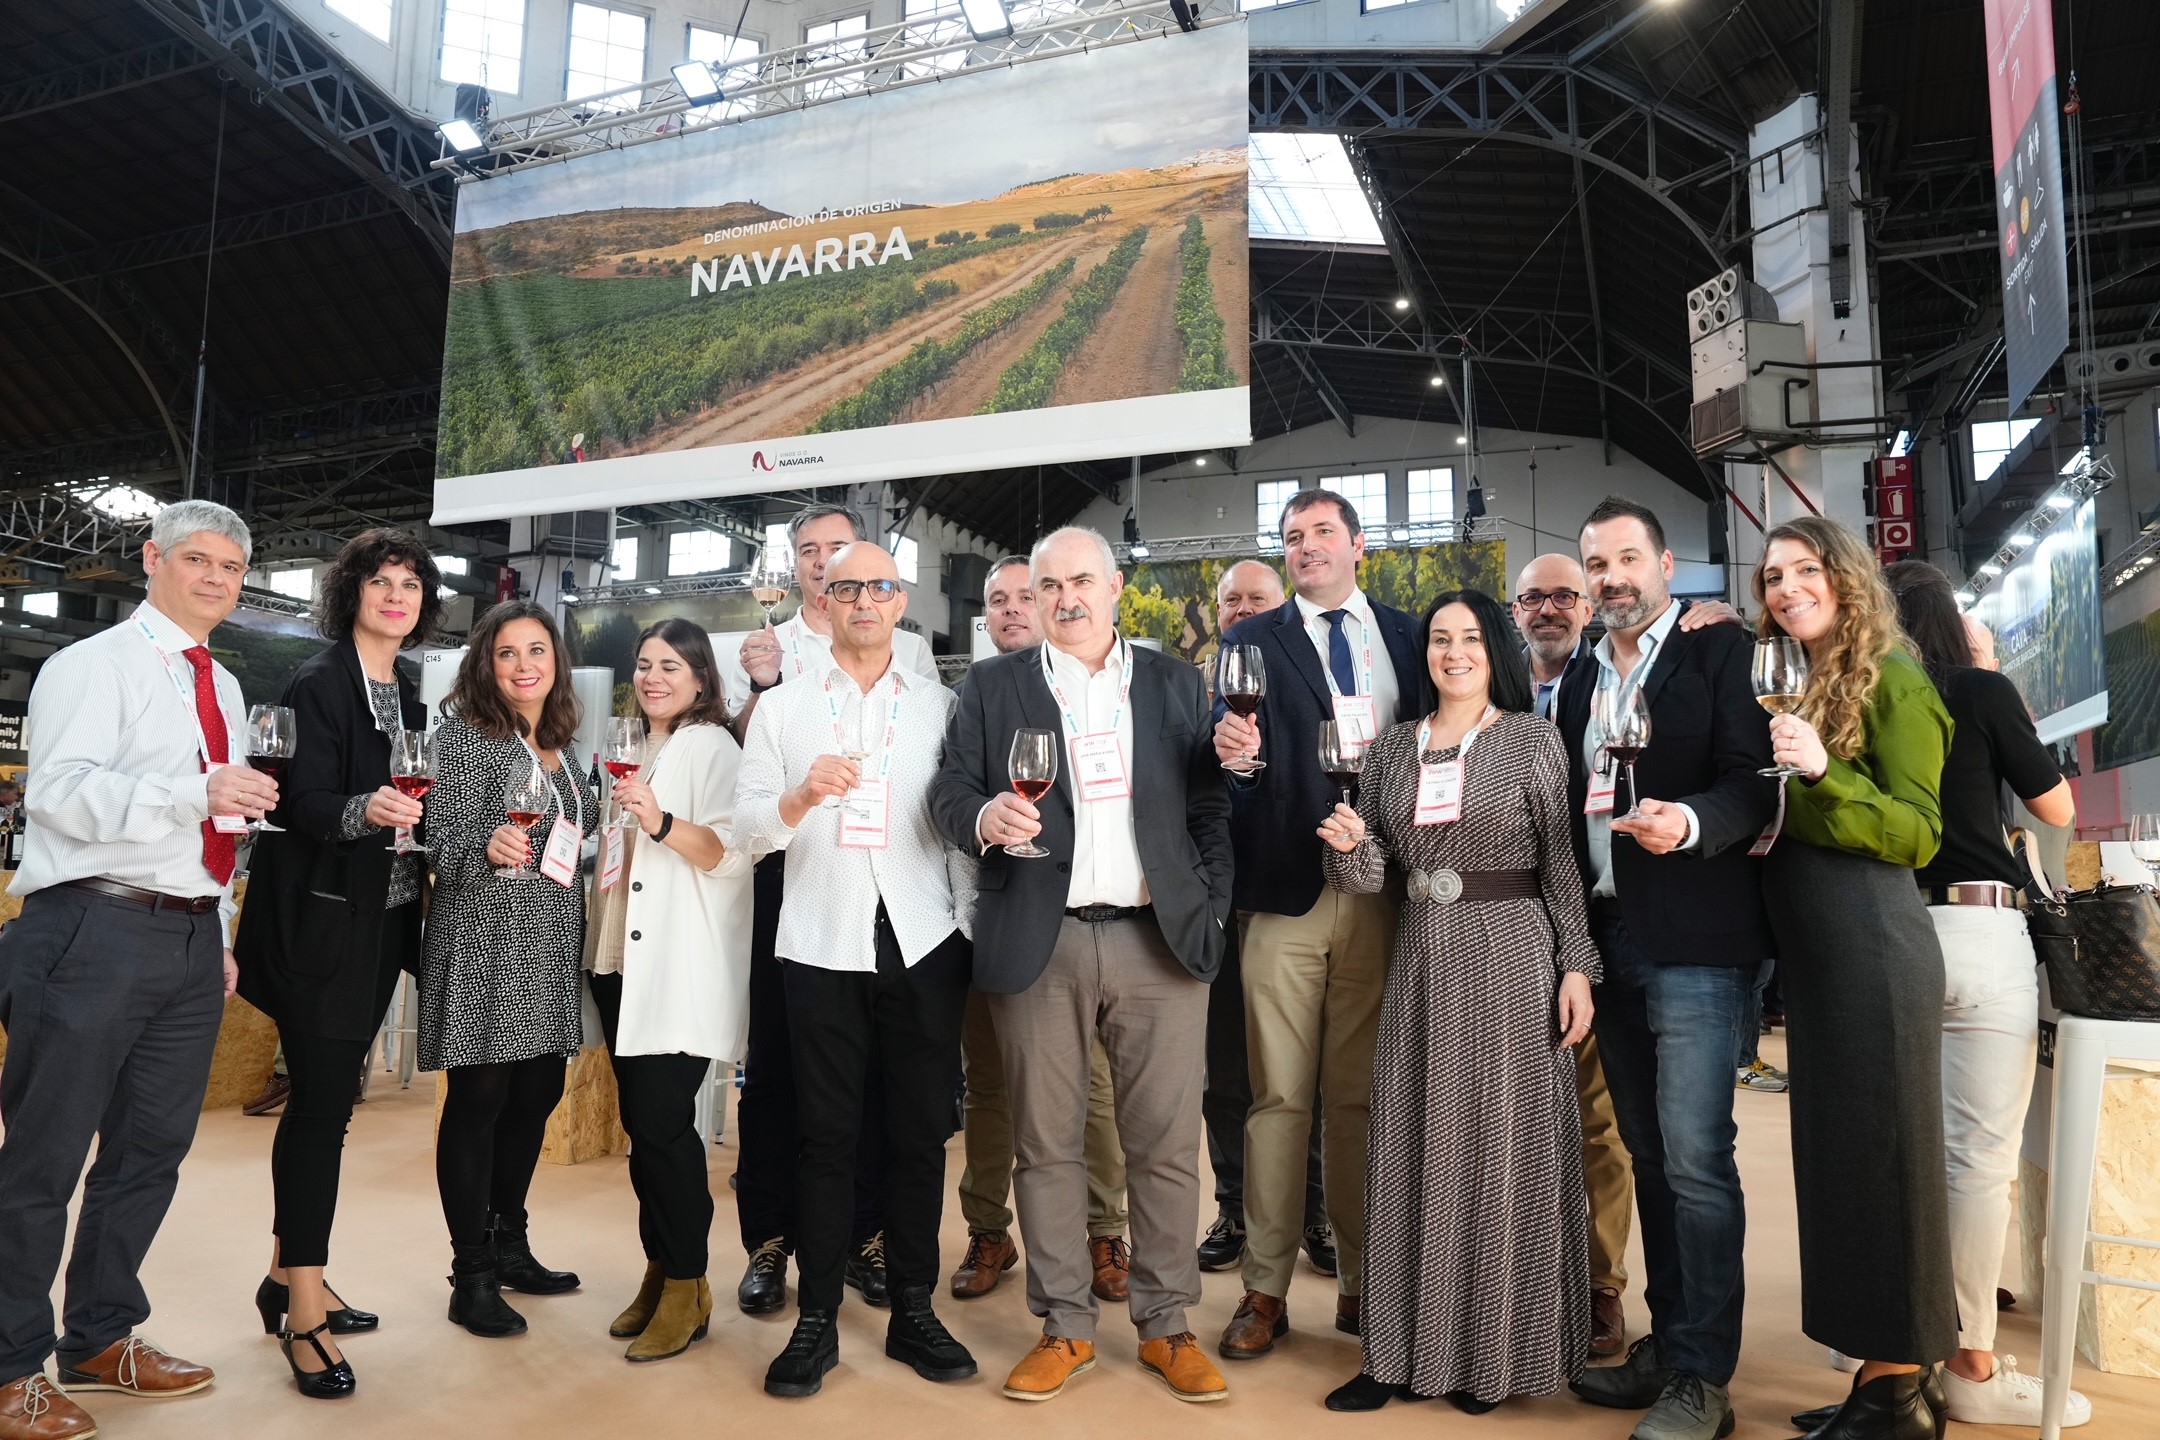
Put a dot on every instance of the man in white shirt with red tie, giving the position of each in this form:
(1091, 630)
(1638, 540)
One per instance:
(113, 981)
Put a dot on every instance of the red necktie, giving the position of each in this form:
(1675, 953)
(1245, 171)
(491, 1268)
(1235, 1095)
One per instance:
(218, 852)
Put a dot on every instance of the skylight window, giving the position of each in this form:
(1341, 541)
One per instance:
(1992, 444)
(1304, 189)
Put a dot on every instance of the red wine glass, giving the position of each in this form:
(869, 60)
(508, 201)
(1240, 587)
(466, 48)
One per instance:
(1033, 767)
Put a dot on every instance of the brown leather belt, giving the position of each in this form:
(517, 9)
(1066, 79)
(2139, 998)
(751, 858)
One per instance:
(1448, 887)
(150, 899)
(1992, 893)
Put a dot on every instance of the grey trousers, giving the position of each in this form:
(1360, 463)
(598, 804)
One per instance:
(112, 1013)
(1118, 979)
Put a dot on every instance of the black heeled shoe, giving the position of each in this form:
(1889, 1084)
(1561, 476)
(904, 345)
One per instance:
(1931, 1390)
(1889, 1407)
(273, 1300)
(1469, 1404)
(333, 1382)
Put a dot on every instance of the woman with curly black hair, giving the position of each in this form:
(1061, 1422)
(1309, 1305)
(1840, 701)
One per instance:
(333, 916)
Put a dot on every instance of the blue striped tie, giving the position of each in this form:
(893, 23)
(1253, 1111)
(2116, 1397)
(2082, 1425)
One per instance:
(1338, 652)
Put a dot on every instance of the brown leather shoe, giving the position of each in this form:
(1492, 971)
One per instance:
(1043, 1371)
(1176, 1360)
(276, 1090)
(1348, 1309)
(1113, 1267)
(1608, 1324)
(134, 1366)
(31, 1409)
(990, 1254)
(1260, 1320)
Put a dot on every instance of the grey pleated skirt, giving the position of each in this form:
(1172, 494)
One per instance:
(1862, 977)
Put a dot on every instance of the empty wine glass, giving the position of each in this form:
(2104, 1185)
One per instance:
(412, 774)
(1780, 677)
(1342, 758)
(1241, 681)
(1623, 721)
(271, 734)
(2145, 842)
(525, 801)
(1033, 768)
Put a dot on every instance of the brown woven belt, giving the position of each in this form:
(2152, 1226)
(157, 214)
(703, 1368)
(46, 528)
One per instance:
(1448, 887)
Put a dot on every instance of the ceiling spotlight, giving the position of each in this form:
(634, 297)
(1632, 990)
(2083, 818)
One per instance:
(1991, 569)
(986, 19)
(652, 589)
(1462, 440)
(1402, 302)
(2022, 539)
(1200, 460)
(1140, 551)
(2060, 502)
(1965, 598)
(568, 598)
(462, 136)
(697, 82)
(1437, 380)
(1399, 534)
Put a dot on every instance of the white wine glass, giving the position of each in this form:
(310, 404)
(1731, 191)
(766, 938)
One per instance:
(1780, 677)
(774, 574)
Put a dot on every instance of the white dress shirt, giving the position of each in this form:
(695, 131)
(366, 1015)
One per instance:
(829, 914)
(1106, 853)
(1360, 629)
(803, 651)
(117, 788)
(1598, 828)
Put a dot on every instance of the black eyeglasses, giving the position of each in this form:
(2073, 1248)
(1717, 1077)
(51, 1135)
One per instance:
(848, 591)
(1535, 600)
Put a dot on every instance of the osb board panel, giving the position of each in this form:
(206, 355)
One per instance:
(2081, 865)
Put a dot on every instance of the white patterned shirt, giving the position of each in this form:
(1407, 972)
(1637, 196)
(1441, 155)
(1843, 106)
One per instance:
(828, 915)
(117, 788)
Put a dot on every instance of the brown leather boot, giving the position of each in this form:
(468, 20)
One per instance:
(680, 1320)
(639, 1313)
(1348, 1309)
(1113, 1267)
(1176, 1360)
(134, 1366)
(31, 1409)
(1252, 1332)
(1608, 1323)
(990, 1254)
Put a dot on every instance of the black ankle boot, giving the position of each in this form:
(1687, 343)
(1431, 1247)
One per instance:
(1931, 1390)
(916, 1337)
(514, 1263)
(476, 1295)
(812, 1350)
(1890, 1407)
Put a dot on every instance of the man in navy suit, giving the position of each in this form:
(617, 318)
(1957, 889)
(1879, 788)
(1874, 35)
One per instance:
(1315, 960)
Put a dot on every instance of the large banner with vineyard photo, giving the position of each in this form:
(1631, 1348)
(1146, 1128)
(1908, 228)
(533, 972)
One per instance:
(2045, 612)
(1015, 266)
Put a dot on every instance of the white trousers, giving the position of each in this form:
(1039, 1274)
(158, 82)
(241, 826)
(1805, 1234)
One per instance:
(1990, 1044)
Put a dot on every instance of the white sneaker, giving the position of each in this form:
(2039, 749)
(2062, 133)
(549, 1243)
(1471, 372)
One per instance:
(1839, 1360)
(2008, 1397)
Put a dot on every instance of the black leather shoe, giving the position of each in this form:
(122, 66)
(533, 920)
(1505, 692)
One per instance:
(333, 1382)
(1320, 1248)
(1931, 1390)
(917, 1338)
(1224, 1246)
(272, 1300)
(763, 1290)
(1469, 1404)
(812, 1350)
(1364, 1393)
(1633, 1384)
(1890, 1407)
(476, 1294)
(866, 1271)
(515, 1267)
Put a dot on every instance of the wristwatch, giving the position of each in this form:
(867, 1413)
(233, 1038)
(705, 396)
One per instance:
(667, 823)
(757, 689)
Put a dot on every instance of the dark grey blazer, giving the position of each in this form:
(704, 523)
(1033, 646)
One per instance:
(1181, 815)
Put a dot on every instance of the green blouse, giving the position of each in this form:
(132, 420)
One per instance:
(1885, 802)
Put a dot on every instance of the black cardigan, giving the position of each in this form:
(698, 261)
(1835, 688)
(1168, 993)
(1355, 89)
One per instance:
(311, 928)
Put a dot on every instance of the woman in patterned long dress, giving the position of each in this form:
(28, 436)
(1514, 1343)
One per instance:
(1477, 1281)
(500, 1002)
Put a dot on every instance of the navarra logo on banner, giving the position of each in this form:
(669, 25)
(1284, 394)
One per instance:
(784, 460)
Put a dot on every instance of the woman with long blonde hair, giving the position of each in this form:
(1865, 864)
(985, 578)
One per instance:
(1863, 979)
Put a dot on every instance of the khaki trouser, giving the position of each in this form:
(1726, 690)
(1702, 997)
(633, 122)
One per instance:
(1313, 985)
(986, 1183)
(1607, 1172)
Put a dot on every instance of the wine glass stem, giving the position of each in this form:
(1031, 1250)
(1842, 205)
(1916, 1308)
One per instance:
(1634, 797)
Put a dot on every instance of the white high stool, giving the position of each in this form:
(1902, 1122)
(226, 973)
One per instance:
(2083, 1048)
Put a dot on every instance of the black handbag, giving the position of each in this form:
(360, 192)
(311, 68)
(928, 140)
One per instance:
(2102, 950)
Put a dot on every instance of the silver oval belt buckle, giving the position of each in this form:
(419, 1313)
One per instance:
(1442, 887)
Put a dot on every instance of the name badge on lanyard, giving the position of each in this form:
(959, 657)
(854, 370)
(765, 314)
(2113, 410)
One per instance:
(611, 857)
(223, 824)
(566, 837)
(864, 809)
(1768, 838)
(1357, 718)
(1098, 760)
(1603, 779)
(1440, 782)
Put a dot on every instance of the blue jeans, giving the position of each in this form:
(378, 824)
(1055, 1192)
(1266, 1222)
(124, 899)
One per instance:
(1671, 1037)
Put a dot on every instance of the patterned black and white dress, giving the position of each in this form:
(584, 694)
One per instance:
(1477, 1260)
(504, 957)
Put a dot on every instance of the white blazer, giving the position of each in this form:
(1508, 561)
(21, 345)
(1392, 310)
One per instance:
(686, 939)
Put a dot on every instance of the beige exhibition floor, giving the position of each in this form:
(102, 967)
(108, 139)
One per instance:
(422, 1377)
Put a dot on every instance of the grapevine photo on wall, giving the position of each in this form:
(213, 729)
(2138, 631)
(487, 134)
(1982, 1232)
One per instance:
(1014, 266)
